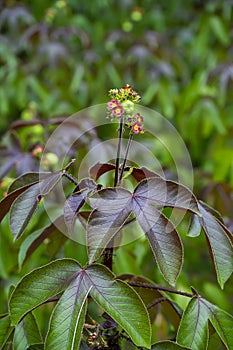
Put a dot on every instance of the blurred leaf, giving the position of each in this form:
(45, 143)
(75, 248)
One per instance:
(5, 330)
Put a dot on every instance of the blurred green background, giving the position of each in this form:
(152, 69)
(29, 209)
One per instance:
(57, 57)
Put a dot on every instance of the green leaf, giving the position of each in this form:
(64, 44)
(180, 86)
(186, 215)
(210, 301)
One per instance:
(113, 208)
(152, 296)
(168, 345)
(40, 285)
(121, 302)
(223, 324)
(193, 330)
(23, 209)
(68, 317)
(5, 330)
(219, 245)
(26, 333)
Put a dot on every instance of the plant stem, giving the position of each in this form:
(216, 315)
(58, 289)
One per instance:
(108, 252)
(71, 178)
(125, 158)
(165, 289)
(118, 152)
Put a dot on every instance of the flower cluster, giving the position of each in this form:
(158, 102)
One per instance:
(126, 93)
(122, 105)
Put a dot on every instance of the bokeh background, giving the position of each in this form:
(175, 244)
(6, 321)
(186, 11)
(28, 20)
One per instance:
(58, 57)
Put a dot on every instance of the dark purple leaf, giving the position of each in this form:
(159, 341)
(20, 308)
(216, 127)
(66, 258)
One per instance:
(166, 193)
(6, 202)
(72, 206)
(26, 163)
(26, 179)
(112, 208)
(7, 166)
(142, 173)
(164, 240)
(47, 184)
(99, 169)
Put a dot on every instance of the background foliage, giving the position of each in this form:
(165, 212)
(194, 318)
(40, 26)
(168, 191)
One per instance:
(57, 57)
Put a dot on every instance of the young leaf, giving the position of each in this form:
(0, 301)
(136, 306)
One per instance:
(99, 169)
(113, 207)
(168, 345)
(5, 330)
(163, 238)
(27, 333)
(72, 206)
(219, 244)
(23, 209)
(68, 317)
(194, 227)
(193, 330)
(121, 302)
(47, 184)
(40, 285)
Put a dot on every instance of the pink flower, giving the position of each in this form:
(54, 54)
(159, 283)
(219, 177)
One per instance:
(118, 111)
(113, 104)
(139, 117)
(137, 128)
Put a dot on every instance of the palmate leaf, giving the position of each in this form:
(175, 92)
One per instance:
(68, 317)
(220, 245)
(40, 285)
(118, 299)
(113, 206)
(27, 333)
(193, 330)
